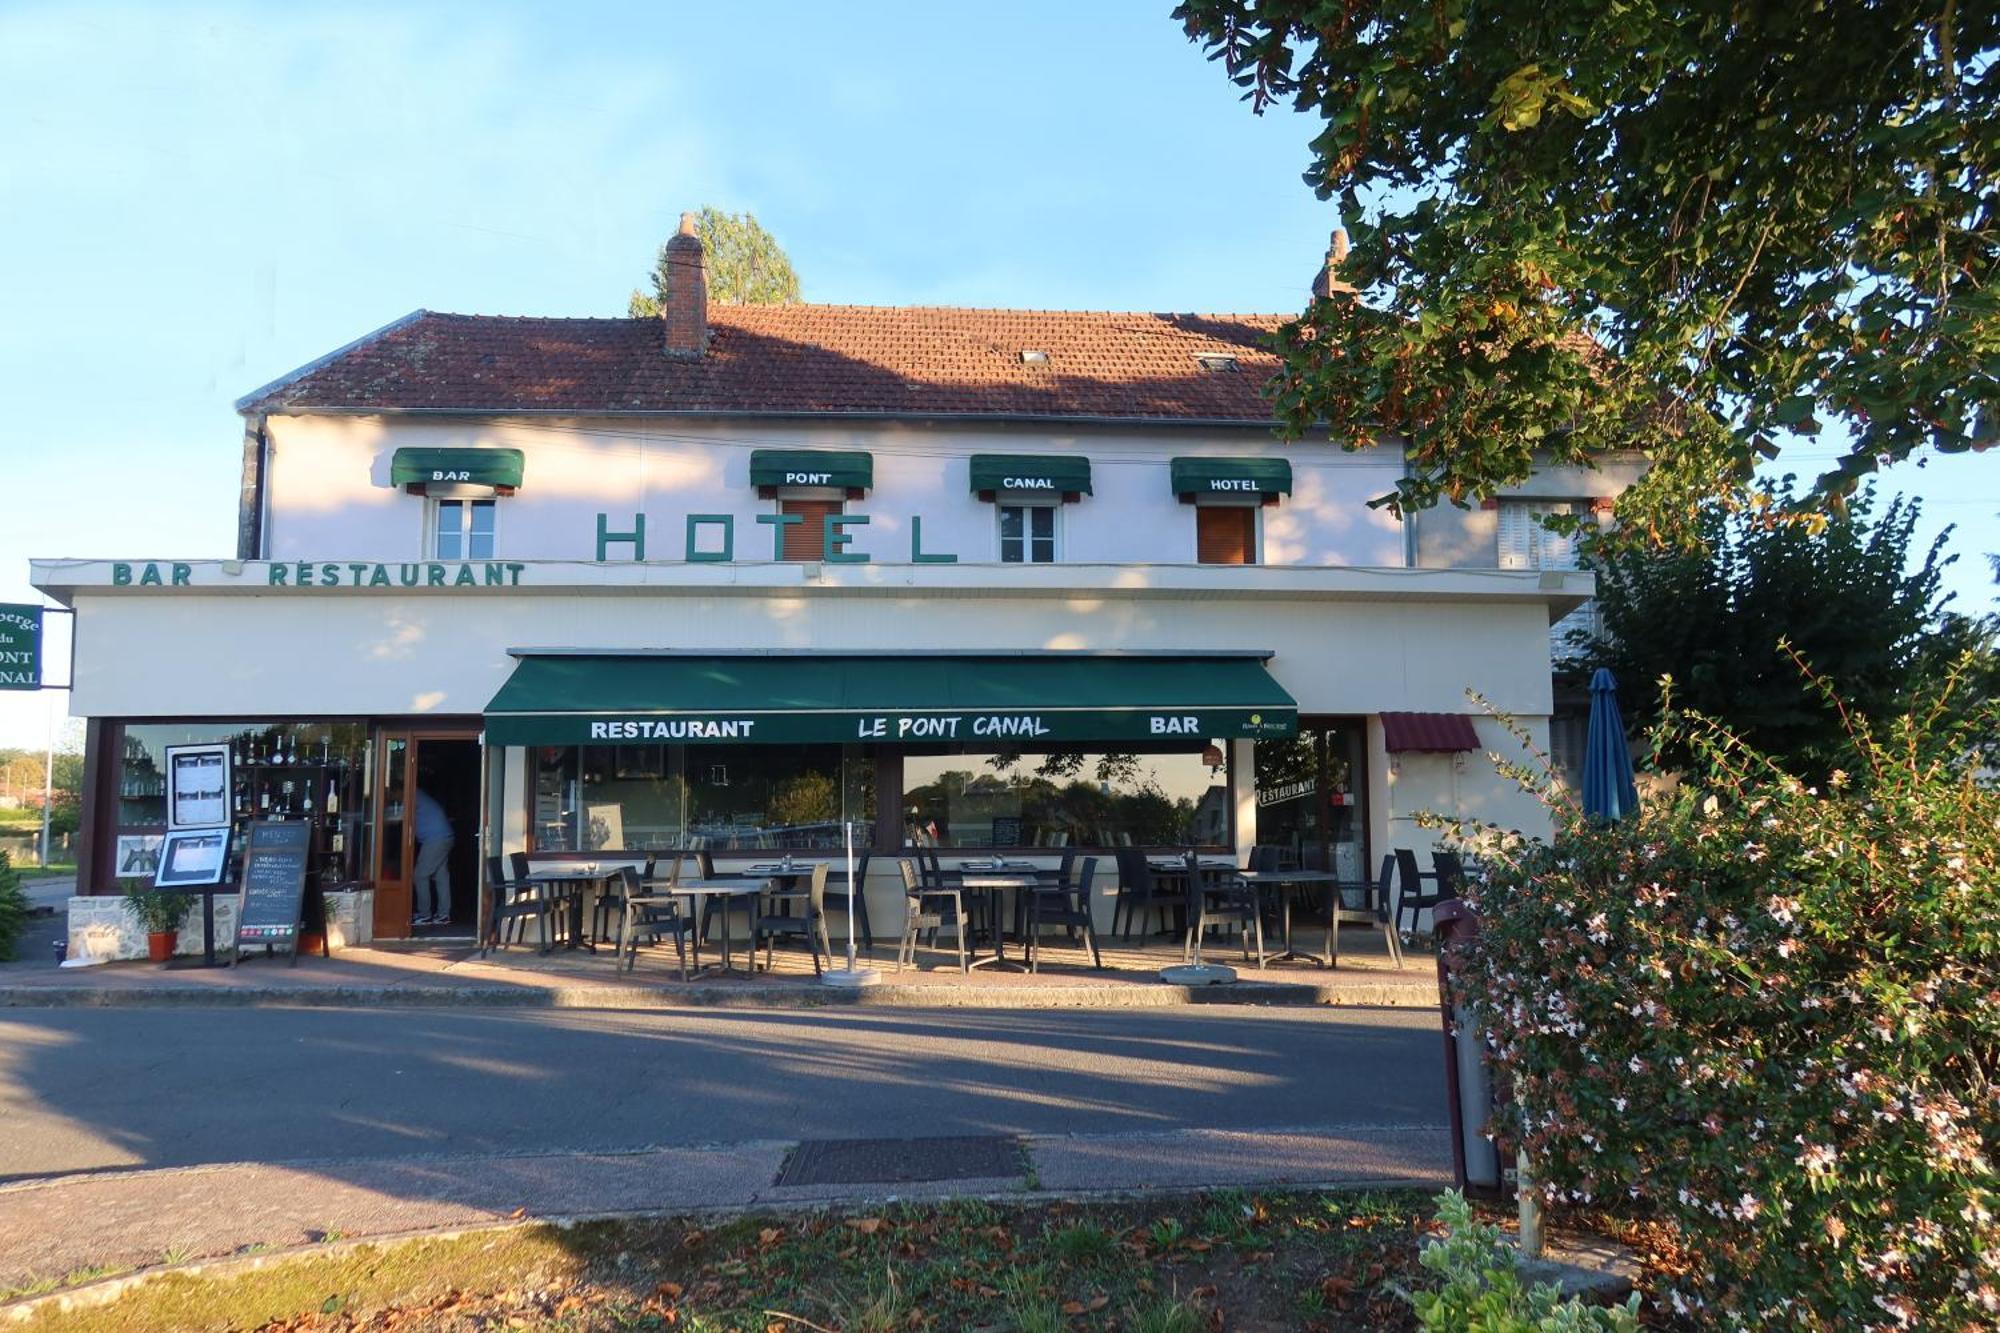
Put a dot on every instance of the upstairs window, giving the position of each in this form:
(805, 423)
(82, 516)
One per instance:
(806, 539)
(1225, 534)
(1028, 534)
(462, 529)
(1526, 544)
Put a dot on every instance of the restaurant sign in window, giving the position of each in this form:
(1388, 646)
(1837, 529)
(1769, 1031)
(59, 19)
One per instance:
(1066, 798)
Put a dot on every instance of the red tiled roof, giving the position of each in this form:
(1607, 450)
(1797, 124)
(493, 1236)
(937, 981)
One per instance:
(1428, 733)
(789, 359)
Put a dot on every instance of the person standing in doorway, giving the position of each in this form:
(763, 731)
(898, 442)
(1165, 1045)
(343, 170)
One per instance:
(433, 867)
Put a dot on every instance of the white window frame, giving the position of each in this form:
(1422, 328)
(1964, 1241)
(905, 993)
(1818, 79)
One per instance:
(434, 525)
(1250, 502)
(1007, 500)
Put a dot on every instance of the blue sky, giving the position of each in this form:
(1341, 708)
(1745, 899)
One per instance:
(195, 199)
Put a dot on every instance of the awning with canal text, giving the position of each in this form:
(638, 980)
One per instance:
(561, 698)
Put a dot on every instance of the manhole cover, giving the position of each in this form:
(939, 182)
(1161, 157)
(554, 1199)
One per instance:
(901, 1161)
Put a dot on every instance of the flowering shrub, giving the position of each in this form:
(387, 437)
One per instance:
(1481, 1287)
(1771, 1014)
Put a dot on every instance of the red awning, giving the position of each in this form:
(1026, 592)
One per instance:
(1428, 733)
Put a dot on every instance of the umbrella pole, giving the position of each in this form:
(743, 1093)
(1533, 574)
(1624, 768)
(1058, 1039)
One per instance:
(851, 975)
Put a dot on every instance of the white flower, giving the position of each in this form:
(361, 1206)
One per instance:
(1816, 1158)
(1748, 1207)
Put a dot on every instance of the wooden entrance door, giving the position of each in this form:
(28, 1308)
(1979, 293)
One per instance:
(396, 761)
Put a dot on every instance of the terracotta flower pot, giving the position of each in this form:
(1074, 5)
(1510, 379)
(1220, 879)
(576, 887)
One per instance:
(160, 945)
(311, 944)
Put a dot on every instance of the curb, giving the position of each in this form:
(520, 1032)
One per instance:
(1157, 996)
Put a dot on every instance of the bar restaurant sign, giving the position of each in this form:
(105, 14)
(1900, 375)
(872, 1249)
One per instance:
(20, 647)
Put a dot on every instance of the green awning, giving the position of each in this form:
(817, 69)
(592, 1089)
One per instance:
(1055, 474)
(1232, 476)
(1020, 700)
(456, 467)
(812, 467)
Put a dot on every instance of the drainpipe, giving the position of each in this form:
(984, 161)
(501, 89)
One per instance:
(250, 499)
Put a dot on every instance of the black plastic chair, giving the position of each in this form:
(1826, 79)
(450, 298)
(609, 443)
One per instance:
(808, 923)
(836, 901)
(1063, 904)
(1411, 900)
(610, 904)
(654, 915)
(929, 907)
(1138, 891)
(511, 902)
(1221, 900)
(1449, 872)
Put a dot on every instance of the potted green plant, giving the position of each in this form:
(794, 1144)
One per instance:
(160, 915)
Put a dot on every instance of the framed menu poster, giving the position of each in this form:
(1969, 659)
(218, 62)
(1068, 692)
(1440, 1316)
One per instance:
(192, 858)
(197, 786)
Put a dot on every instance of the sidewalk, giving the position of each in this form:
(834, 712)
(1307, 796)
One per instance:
(429, 974)
(125, 1220)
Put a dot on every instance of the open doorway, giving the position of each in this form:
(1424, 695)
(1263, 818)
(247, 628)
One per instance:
(444, 832)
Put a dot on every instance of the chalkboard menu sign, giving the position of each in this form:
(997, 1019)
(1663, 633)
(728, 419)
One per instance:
(274, 881)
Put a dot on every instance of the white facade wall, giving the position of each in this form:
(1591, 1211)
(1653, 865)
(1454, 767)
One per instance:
(329, 497)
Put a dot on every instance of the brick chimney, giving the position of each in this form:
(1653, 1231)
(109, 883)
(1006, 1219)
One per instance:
(685, 309)
(1328, 282)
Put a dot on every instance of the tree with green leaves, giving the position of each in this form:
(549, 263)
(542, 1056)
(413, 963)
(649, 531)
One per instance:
(1724, 617)
(1702, 228)
(746, 265)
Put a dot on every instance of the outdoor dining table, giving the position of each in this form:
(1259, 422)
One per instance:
(1283, 880)
(660, 890)
(568, 884)
(994, 879)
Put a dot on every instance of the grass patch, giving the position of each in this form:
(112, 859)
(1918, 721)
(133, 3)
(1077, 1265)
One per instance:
(1322, 1263)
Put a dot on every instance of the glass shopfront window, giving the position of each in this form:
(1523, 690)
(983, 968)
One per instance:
(721, 797)
(1311, 796)
(1066, 798)
(310, 771)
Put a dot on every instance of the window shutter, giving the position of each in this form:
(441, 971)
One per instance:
(806, 540)
(1517, 536)
(1225, 534)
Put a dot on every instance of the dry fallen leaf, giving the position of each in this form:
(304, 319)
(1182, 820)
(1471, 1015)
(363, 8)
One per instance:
(517, 1214)
(770, 1236)
(670, 1290)
(867, 1226)
(1098, 1302)
(1072, 1307)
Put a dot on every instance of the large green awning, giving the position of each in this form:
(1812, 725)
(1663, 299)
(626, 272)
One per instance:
(456, 467)
(1025, 700)
(1055, 474)
(1232, 476)
(812, 467)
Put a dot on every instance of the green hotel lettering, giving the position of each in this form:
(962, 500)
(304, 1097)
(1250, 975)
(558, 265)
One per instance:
(367, 574)
(834, 539)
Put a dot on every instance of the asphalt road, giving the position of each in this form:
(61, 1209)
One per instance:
(89, 1090)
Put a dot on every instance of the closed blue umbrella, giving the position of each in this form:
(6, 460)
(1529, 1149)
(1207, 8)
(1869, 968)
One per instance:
(1608, 792)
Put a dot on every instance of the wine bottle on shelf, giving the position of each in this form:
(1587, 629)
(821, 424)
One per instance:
(332, 798)
(309, 803)
(264, 801)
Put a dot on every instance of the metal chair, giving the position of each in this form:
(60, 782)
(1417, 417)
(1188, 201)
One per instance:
(1221, 900)
(925, 908)
(1449, 871)
(1063, 904)
(809, 925)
